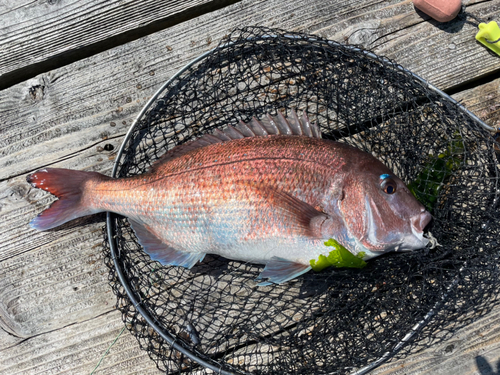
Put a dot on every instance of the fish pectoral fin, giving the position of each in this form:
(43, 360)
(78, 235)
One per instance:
(160, 251)
(279, 270)
(299, 216)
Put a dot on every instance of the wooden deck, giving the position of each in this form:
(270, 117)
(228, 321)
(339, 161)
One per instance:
(74, 74)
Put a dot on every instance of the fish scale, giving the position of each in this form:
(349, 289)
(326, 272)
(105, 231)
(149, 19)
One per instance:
(269, 192)
(161, 201)
(166, 203)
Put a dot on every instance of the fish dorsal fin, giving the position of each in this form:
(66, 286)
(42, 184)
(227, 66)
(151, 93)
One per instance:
(268, 125)
(279, 125)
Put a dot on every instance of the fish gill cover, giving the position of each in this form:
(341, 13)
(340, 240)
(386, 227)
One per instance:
(340, 319)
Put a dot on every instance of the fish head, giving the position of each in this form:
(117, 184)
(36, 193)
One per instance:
(380, 213)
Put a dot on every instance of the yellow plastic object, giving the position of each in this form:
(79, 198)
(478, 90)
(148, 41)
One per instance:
(489, 32)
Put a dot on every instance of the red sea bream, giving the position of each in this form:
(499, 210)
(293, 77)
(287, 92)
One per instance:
(268, 192)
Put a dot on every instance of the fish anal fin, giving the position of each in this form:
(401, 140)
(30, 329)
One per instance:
(160, 251)
(279, 270)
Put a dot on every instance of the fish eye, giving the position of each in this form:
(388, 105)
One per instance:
(388, 186)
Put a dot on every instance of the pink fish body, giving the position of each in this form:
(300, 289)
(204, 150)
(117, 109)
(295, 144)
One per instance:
(269, 192)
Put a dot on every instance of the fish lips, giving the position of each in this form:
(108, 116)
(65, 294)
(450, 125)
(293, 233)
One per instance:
(420, 221)
(416, 240)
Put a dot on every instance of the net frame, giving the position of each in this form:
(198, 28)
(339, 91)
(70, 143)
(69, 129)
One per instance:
(136, 302)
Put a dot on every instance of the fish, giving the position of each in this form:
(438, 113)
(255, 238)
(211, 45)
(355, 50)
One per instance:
(270, 191)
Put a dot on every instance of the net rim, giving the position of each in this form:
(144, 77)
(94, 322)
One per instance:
(110, 217)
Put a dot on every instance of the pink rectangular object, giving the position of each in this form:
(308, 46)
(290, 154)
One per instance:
(440, 10)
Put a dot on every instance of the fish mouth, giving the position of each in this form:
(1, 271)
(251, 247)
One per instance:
(420, 221)
(416, 239)
(411, 238)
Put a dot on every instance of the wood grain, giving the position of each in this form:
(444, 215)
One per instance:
(484, 101)
(469, 348)
(77, 349)
(42, 35)
(87, 96)
(66, 116)
(446, 55)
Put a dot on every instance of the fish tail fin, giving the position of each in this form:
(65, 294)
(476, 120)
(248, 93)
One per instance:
(69, 186)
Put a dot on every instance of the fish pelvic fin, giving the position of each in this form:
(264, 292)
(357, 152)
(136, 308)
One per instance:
(160, 251)
(69, 186)
(279, 270)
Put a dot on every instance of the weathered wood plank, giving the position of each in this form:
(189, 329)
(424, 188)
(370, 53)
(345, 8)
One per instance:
(484, 101)
(43, 36)
(66, 116)
(77, 349)
(39, 36)
(60, 283)
(52, 101)
(469, 351)
(447, 55)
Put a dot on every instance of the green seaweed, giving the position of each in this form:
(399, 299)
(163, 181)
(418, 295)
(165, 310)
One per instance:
(436, 173)
(339, 257)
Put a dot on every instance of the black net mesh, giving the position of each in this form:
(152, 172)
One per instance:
(338, 320)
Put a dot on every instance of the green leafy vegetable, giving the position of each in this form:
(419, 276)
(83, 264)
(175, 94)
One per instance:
(437, 172)
(339, 257)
